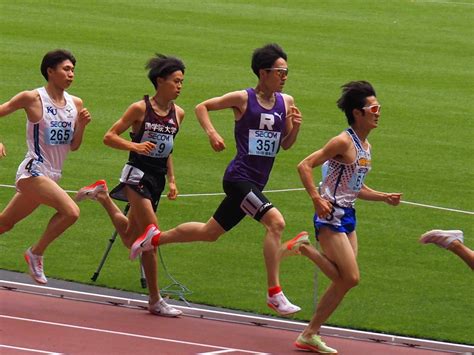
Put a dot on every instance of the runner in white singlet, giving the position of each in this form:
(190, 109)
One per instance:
(55, 125)
(346, 160)
(49, 139)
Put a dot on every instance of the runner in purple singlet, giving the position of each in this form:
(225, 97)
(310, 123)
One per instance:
(265, 120)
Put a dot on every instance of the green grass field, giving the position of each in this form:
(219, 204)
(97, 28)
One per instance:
(417, 54)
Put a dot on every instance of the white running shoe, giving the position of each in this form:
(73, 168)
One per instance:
(442, 238)
(35, 263)
(280, 304)
(161, 308)
(91, 191)
(143, 242)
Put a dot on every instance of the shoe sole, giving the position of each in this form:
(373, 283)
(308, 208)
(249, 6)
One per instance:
(165, 315)
(311, 348)
(300, 240)
(82, 193)
(282, 314)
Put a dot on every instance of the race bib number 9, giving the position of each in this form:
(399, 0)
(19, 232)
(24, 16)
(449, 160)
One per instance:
(164, 143)
(263, 143)
(58, 135)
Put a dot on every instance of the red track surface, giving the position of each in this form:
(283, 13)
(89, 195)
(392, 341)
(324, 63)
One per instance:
(56, 325)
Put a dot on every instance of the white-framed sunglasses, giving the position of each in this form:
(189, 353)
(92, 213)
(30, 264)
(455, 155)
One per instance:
(373, 108)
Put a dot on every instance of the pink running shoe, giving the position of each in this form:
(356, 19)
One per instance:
(143, 242)
(91, 191)
(35, 264)
(292, 246)
(442, 238)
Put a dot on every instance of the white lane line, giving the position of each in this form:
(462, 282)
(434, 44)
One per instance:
(126, 334)
(28, 349)
(298, 189)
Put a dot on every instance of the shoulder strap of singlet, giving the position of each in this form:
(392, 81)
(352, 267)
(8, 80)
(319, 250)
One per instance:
(355, 139)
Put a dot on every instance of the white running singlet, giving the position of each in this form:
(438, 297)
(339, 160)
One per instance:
(342, 182)
(49, 139)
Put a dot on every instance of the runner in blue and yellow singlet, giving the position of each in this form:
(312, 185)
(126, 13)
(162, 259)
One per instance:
(346, 160)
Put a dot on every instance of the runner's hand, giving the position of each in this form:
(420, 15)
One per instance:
(322, 207)
(144, 148)
(84, 117)
(3, 152)
(173, 193)
(217, 142)
(393, 198)
(295, 116)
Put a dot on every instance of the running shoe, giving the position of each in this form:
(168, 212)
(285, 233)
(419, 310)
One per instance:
(442, 238)
(314, 344)
(143, 242)
(280, 304)
(292, 246)
(91, 191)
(161, 308)
(35, 264)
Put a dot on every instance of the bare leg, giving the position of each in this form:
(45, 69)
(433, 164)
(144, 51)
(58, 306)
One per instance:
(321, 261)
(141, 215)
(340, 251)
(274, 224)
(119, 220)
(193, 232)
(19, 207)
(42, 190)
(466, 254)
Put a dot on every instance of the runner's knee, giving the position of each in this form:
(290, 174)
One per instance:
(276, 226)
(350, 281)
(71, 213)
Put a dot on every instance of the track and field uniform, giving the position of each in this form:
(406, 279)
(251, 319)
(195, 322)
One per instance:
(49, 140)
(146, 174)
(341, 184)
(258, 135)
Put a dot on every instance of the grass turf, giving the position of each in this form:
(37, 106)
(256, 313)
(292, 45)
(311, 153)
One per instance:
(416, 53)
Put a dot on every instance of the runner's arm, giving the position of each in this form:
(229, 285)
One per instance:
(113, 139)
(173, 191)
(366, 193)
(335, 147)
(235, 100)
(83, 119)
(293, 123)
(21, 100)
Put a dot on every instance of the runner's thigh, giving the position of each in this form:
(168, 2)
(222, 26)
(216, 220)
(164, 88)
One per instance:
(43, 190)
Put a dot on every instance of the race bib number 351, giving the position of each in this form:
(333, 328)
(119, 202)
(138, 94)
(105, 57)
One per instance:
(263, 143)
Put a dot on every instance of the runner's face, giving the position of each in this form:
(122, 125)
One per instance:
(172, 84)
(276, 76)
(371, 119)
(62, 75)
